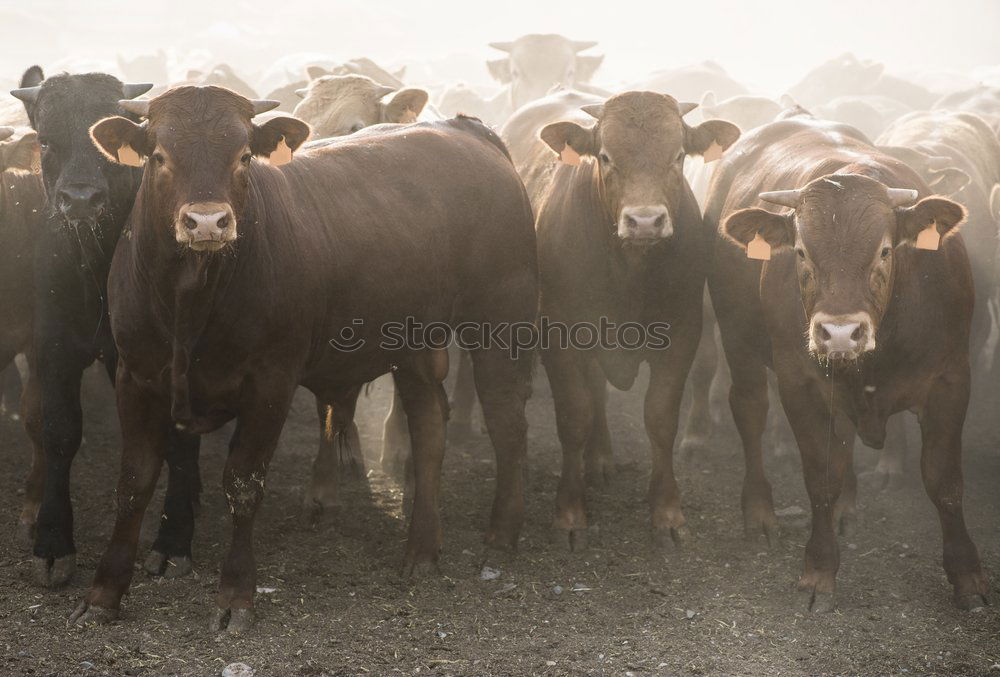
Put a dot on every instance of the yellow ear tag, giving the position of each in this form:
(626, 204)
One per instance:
(128, 156)
(759, 249)
(929, 238)
(281, 155)
(568, 156)
(713, 153)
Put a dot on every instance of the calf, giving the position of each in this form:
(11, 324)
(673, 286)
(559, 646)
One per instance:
(856, 318)
(263, 272)
(88, 199)
(620, 239)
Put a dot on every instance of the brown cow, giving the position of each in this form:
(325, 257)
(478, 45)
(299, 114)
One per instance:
(857, 323)
(620, 239)
(271, 277)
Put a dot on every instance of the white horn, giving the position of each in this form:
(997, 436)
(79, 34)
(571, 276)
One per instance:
(264, 105)
(785, 198)
(26, 94)
(899, 197)
(595, 110)
(139, 107)
(133, 89)
(686, 108)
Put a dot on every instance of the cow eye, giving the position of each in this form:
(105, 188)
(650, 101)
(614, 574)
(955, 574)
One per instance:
(158, 158)
(603, 158)
(801, 252)
(886, 251)
(245, 158)
(357, 127)
(680, 157)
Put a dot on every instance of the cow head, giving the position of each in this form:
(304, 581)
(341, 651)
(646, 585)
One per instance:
(845, 229)
(841, 76)
(199, 143)
(335, 105)
(536, 63)
(82, 187)
(640, 142)
(18, 151)
(746, 112)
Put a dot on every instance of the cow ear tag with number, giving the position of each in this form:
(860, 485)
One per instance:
(128, 156)
(568, 156)
(759, 249)
(713, 153)
(929, 238)
(281, 155)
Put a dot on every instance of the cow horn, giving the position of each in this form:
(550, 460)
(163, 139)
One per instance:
(595, 110)
(503, 46)
(301, 93)
(133, 89)
(686, 107)
(6, 132)
(580, 45)
(785, 198)
(383, 91)
(139, 107)
(26, 94)
(900, 197)
(264, 105)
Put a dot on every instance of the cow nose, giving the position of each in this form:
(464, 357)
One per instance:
(81, 202)
(841, 339)
(199, 222)
(206, 226)
(644, 223)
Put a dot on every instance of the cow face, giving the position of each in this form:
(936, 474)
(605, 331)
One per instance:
(336, 105)
(83, 188)
(640, 142)
(844, 229)
(200, 143)
(537, 63)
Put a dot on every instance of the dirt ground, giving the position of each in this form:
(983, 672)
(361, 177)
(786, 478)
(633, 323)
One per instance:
(331, 601)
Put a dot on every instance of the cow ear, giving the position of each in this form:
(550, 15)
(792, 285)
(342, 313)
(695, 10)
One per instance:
(925, 223)
(710, 139)
(121, 140)
(500, 69)
(570, 140)
(21, 155)
(278, 138)
(775, 230)
(948, 181)
(405, 105)
(32, 77)
(586, 66)
(315, 72)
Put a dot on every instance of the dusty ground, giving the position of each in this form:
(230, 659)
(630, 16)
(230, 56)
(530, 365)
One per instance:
(337, 606)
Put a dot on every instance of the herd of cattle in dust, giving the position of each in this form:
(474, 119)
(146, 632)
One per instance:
(834, 250)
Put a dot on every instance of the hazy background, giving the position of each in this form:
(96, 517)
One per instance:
(767, 45)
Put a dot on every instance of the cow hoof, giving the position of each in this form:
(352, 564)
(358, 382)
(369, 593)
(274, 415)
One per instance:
(421, 570)
(168, 566)
(600, 473)
(86, 614)
(971, 601)
(231, 621)
(315, 511)
(670, 538)
(54, 573)
(692, 448)
(821, 602)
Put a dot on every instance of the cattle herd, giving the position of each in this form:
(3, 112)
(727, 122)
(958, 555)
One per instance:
(215, 254)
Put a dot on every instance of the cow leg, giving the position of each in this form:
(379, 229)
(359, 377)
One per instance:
(426, 405)
(668, 373)
(339, 445)
(395, 460)
(170, 555)
(825, 449)
(599, 463)
(145, 422)
(31, 415)
(463, 399)
(574, 406)
(62, 431)
(503, 385)
(11, 383)
(845, 512)
(888, 473)
(941, 467)
(699, 420)
(748, 402)
(258, 428)
(718, 393)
